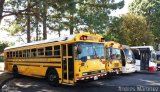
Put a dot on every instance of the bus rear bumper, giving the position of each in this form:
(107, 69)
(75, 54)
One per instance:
(152, 69)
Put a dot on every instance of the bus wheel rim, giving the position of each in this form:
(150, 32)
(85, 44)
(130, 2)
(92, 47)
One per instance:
(52, 77)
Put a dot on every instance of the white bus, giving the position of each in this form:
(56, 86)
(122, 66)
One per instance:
(128, 61)
(145, 58)
(158, 59)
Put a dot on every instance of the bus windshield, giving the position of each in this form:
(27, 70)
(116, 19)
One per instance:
(90, 50)
(129, 55)
(153, 56)
(158, 57)
(113, 53)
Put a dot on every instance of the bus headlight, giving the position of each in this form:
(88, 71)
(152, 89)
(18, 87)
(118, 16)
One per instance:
(84, 74)
(103, 71)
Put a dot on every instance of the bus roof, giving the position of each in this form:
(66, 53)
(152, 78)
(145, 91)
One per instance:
(125, 46)
(150, 47)
(64, 38)
(113, 43)
(70, 37)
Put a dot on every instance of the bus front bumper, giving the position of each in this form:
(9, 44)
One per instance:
(94, 77)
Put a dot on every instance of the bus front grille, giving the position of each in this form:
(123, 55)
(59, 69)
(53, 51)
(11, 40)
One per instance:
(116, 65)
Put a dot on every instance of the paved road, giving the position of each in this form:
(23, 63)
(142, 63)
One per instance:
(126, 82)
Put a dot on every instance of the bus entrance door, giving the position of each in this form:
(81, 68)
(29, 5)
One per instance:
(67, 64)
(144, 59)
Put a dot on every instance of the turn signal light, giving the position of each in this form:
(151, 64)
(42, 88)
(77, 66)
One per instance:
(82, 64)
(111, 44)
(103, 61)
(102, 40)
(77, 74)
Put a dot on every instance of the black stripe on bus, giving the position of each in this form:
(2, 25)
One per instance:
(33, 62)
(52, 66)
(28, 65)
(35, 57)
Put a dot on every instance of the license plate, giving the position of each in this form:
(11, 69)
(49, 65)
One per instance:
(95, 77)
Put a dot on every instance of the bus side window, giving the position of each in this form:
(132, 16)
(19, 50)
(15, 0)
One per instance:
(48, 51)
(41, 52)
(57, 51)
(8, 55)
(24, 53)
(20, 53)
(33, 52)
(14, 54)
(17, 54)
(28, 53)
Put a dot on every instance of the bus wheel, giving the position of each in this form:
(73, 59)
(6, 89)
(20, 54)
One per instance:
(15, 72)
(52, 78)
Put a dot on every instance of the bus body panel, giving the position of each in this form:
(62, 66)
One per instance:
(90, 68)
(129, 68)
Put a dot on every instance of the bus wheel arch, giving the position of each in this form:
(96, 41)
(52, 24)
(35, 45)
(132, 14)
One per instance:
(15, 71)
(52, 76)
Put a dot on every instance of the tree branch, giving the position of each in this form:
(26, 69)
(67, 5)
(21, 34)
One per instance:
(19, 12)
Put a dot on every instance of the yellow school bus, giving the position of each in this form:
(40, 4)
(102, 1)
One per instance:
(64, 60)
(113, 58)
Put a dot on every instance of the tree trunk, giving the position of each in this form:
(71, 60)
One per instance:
(44, 20)
(37, 21)
(71, 25)
(71, 30)
(1, 9)
(28, 24)
(37, 31)
(59, 32)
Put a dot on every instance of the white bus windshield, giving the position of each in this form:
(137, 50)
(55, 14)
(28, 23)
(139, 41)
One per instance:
(129, 55)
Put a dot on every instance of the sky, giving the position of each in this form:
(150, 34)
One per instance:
(4, 36)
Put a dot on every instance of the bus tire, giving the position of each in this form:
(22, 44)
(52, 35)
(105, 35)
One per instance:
(15, 72)
(52, 77)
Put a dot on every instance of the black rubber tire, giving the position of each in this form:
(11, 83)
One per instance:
(15, 72)
(53, 78)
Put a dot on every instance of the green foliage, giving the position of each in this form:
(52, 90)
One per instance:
(14, 28)
(3, 45)
(131, 30)
(150, 9)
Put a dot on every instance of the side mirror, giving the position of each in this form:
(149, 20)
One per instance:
(84, 59)
(78, 49)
